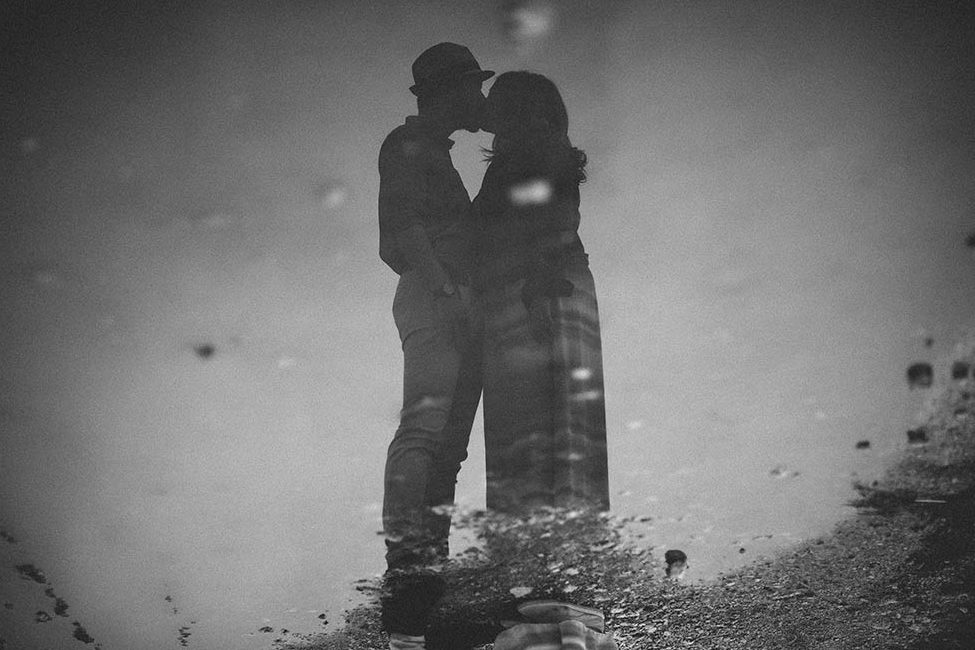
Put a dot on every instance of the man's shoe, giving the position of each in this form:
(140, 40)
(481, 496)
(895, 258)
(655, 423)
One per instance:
(553, 611)
(407, 600)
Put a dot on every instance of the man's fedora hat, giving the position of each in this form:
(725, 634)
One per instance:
(442, 64)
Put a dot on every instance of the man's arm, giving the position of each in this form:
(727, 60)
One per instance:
(402, 189)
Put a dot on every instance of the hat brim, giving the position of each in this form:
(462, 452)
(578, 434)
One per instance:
(483, 75)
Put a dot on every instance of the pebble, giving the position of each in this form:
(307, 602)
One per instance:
(918, 435)
(920, 375)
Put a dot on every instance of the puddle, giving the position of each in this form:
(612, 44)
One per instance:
(200, 370)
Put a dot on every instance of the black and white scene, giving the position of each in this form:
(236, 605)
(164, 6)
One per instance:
(498, 325)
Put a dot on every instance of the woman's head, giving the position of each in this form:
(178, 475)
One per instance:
(522, 103)
(526, 114)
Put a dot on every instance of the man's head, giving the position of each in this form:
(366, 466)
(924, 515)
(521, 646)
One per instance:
(447, 84)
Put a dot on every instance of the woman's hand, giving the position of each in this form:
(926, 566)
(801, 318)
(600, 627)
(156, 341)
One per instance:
(540, 320)
(454, 316)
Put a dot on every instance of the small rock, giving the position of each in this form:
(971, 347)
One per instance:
(781, 471)
(918, 435)
(31, 572)
(676, 563)
(960, 370)
(920, 375)
(863, 444)
(205, 350)
(81, 633)
(42, 617)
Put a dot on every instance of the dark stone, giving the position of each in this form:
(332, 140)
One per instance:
(205, 350)
(918, 435)
(42, 617)
(863, 444)
(676, 563)
(920, 375)
(31, 572)
(81, 633)
(960, 370)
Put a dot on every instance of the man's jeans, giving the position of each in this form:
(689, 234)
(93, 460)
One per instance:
(441, 390)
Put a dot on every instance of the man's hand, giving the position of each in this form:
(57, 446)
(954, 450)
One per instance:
(454, 317)
(540, 320)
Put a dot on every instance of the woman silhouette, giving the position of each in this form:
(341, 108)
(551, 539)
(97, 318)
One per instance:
(544, 411)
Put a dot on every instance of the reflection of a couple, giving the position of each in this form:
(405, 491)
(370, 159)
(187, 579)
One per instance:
(495, 295)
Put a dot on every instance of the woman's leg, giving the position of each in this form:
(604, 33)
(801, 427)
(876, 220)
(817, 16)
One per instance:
(517, 406)
(581, 472)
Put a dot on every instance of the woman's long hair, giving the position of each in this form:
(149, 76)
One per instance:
(533, 128)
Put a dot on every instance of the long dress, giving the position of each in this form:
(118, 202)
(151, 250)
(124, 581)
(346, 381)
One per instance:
(544, 408)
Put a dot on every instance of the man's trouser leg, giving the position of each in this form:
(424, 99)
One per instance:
(426, 452)
(441, 388)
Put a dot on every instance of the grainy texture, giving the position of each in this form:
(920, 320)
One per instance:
(899, 574)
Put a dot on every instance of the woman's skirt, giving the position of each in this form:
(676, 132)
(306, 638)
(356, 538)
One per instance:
(544, 409)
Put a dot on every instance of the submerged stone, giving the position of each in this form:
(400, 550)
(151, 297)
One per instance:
(31, 572)
(920, 375)
(81, 633)
(960, 370)
(917, 435)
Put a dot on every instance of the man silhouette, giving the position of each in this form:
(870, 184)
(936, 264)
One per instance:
(424, 236)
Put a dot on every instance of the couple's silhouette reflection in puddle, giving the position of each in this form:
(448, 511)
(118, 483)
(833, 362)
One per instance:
(495, 304)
